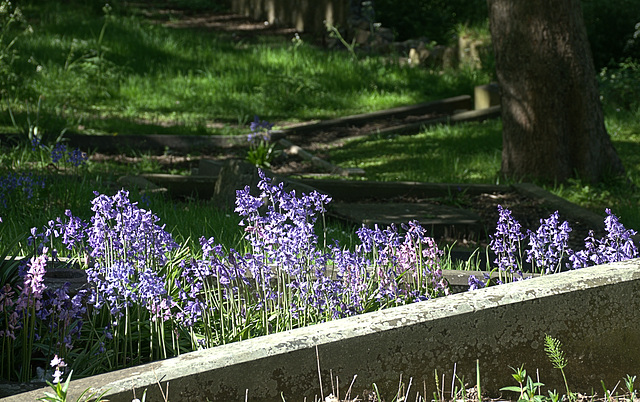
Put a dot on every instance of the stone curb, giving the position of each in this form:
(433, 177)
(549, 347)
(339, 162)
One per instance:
(188, 143)
(594, 312)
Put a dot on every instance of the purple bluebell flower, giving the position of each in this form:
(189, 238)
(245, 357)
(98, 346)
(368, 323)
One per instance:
(12, 184)
(35, 143)
(475, 283)
(616, 245)
(76, 157)
(505, 243)
(58, 153)
(116, 286)
(549, 244)
(120, 229)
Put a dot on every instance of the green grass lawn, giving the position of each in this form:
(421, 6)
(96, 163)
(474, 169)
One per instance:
(122, 72)
(84, 70)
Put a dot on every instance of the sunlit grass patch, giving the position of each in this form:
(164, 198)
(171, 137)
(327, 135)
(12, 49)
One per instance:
(89, 66)
(466, 153)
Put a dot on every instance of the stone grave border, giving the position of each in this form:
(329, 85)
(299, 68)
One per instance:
(452, 110)
(594, 312)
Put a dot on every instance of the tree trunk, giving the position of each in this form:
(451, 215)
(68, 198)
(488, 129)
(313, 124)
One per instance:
(553, 125)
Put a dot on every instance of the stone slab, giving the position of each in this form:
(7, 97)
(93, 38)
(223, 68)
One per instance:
(387, 213)
(594, 312)
(203, 143)
(447, 106)
(358, 190)
(209, 167)
(492, 112)
(183, 186)
(438, 220)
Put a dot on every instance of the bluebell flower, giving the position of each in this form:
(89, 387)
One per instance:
(505, 243)
(76, 157)
(16, 184)
(616, 245)
(35, 143)
(120, 228)
(58, 153)
(549, 244)
(475, 283)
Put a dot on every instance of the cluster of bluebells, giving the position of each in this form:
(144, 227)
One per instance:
(616, 245)
(61, 153)
(386, 268)
(34, 312)
(125, 250)
(548, 244)
(506, 242)
(285, 272)
(548, 250)
(18, 187)
(24, 185)
(283, 280)
(406, 267)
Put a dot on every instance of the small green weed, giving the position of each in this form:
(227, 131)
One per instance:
(558, 359)
(528, 389)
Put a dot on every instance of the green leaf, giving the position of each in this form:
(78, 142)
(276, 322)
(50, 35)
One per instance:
(65, 387)
(511, 388)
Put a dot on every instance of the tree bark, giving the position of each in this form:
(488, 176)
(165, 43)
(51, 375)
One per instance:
(553, 125)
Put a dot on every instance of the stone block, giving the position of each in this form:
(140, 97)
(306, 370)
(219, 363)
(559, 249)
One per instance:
(486, 96)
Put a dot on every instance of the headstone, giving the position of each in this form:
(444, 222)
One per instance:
(486, 96)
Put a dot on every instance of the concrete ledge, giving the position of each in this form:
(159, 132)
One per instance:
(595, 312)
(203, 143)
(183, 186)
(463, 117)
(445, 106)
(356, 191)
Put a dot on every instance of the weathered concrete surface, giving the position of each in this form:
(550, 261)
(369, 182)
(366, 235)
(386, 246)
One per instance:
(595, 312)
